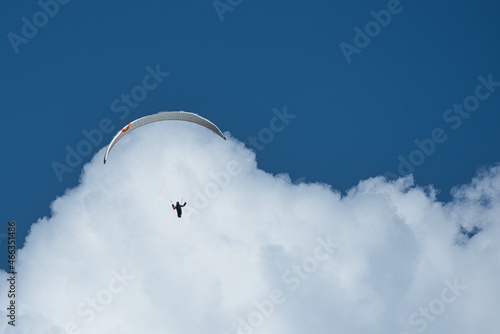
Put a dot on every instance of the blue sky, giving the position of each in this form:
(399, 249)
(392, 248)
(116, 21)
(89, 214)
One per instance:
(352, 119)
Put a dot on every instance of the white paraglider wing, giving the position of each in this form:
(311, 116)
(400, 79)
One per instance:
(163, 116)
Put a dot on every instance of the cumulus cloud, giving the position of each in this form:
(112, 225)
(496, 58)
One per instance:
(254, 252)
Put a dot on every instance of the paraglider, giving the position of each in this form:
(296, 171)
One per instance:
(163, 116)
(178, 207)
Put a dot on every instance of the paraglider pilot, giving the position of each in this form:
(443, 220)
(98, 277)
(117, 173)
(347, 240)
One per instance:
(178, 207)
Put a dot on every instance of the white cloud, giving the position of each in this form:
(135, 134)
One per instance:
(251, 253)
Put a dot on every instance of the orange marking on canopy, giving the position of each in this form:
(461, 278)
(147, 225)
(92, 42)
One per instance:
(125, 129)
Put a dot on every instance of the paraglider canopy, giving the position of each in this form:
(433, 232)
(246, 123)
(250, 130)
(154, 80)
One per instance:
(163, 116)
